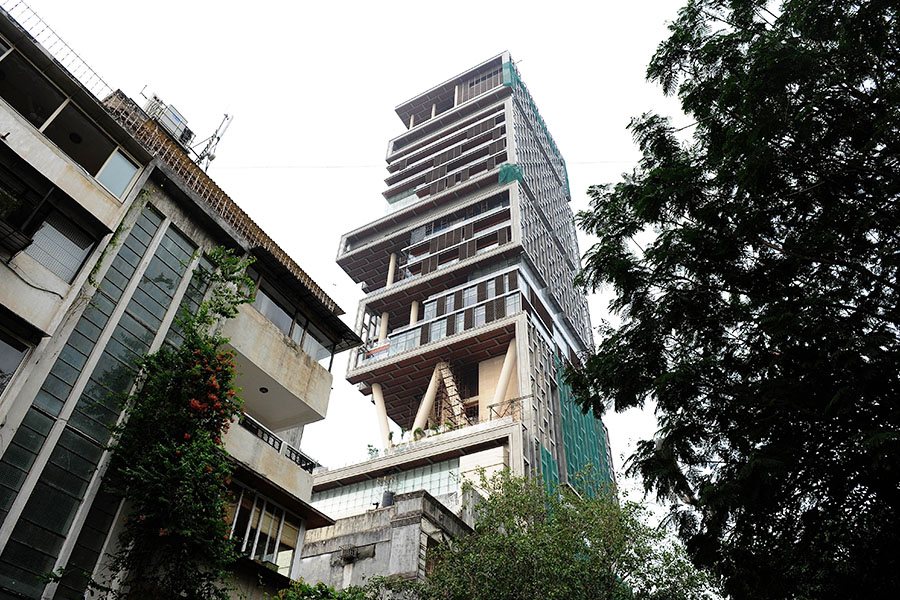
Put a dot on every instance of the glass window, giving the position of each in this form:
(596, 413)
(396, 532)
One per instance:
(317, 345)
(512, 304)
(287, 543)
(273, 312)
(270, 535)
(298, 330)
(449, 305)
(3, 47)
(430, 310)
(118, 173)
(460, 322)
(61, 246)
(27, 90)
(479, 316)
(11, 354)
(491, 288)
(438, 329)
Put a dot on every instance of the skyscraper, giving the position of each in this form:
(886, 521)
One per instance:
(470, 311)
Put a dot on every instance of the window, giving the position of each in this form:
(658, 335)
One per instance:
(491, 288)
(469, 297)
(460, 322)
(27, 90)
(61, 246)
(479, 315)
(263, 530)
(11, 354)
(117, 174)
(271, 310)
(438, 330)
(449, 304)
(430, 310)
(317, 345)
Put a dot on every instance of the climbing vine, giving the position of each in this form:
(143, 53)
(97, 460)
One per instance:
(168, 460)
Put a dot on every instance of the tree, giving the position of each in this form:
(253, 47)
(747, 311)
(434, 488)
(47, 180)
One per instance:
(168, 459)
(759, 310)
(533, 543)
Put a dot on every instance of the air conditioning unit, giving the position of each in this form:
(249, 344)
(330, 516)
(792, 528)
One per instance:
(170, 119)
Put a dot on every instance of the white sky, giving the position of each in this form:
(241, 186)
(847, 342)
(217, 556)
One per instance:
(313, 86)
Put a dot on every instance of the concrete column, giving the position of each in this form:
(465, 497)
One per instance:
(383, 330)
(427, 402)
(414, 312)
(433, 110)
(412, 120)
(392, 270)
(509, 365)
(456, 95)
(381, 415)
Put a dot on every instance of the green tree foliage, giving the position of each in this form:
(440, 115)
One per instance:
(555, 545)
(168, 460)
(755, 270)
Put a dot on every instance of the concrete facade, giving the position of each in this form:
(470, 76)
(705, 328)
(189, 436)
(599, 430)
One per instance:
(102, 245)
(387, 541)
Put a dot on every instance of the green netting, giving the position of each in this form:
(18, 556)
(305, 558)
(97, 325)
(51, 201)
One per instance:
(511, 78)
(508, 173)
(584, 440)
(549, 469)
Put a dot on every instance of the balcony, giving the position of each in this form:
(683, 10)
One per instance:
(260, 450)
(412, 336)
(284, 387)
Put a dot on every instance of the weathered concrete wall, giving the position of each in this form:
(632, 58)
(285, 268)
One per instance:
(280, 359)
(262, 458)
(38, 303)
(492, 461)
(386, 541)
(59, 168)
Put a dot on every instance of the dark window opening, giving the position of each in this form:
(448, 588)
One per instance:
(27, 90)
(12, 352)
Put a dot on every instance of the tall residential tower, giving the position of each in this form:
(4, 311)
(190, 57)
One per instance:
(470, 311)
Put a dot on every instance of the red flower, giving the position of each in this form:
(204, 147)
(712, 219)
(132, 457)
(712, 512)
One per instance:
(187, 436)
(163, 532)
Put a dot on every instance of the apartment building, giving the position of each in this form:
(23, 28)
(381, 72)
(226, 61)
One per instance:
(104, 222)
(470, 312)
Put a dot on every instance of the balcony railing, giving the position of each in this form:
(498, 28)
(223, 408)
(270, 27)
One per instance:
(303, 461)
(410, 337)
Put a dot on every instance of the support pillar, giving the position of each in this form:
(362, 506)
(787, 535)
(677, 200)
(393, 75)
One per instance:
(414, 312)
(392, 270)
(509, 365)
(381, 415)
(383, 328)
(427, 402)
(456, 95)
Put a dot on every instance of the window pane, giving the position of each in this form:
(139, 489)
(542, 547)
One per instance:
(430, 310)
(317, 345)
(479, 315)
(290, 532)
(61, 246)
(117, 173)
(11, 354)
(27, 90)
(277, 315)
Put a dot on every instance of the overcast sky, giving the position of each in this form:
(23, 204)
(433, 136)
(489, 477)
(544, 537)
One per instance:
(313, 88)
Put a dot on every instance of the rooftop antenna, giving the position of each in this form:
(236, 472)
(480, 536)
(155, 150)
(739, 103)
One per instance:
(208, 154)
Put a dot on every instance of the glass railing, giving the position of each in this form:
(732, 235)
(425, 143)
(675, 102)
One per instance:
(410, 337)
